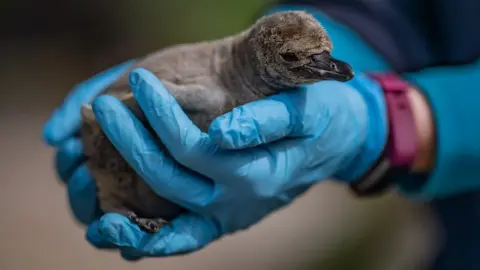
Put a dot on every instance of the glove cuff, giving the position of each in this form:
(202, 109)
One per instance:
(377, 129)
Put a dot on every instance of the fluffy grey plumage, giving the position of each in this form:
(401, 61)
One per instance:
(208, 79)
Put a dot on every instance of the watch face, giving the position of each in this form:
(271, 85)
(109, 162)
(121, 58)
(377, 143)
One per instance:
(375, 181)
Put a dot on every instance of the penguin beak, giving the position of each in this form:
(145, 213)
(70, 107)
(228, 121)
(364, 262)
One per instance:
(329, 68)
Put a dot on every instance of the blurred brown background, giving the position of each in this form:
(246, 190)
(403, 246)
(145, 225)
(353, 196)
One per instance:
(46, 47)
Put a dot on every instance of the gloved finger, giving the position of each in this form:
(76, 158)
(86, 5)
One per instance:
(140, 150)
(65, 120)
(252, 124)
(82, 196)
(184, 140)
(185, 234)
(68, 158)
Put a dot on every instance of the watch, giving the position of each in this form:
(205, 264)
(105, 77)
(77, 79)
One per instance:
(400, 150)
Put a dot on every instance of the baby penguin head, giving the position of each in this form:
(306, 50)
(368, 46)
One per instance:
(292, 48)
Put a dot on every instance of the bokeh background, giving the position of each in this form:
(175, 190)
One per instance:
(46, 47)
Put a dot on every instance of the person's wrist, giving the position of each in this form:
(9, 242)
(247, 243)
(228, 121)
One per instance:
(409, 135)
(425, 131)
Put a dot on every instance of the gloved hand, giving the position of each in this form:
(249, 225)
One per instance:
(61, 130)
(254, 160)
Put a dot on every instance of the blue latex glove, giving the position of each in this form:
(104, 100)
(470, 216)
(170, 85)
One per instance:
(61, 131)
(254, 160)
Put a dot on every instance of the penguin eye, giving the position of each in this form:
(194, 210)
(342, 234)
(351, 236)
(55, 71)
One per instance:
(289, 57)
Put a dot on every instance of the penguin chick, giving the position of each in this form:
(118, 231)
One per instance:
(279, 52)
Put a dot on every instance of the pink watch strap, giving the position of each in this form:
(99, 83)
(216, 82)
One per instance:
(401, 148)
(402, 142)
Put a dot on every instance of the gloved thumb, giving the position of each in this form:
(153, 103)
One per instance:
(301, 112)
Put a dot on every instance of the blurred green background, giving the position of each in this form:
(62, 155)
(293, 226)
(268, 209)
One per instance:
(47, 47)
